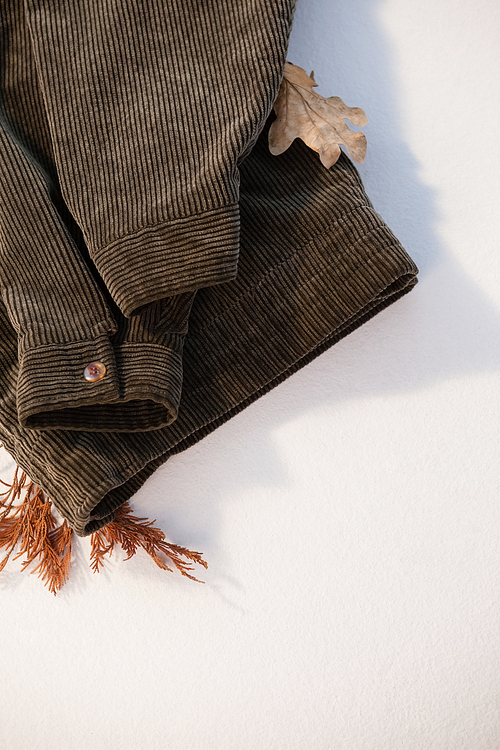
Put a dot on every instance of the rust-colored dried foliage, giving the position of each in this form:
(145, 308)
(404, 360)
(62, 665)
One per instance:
(134, 533)
(318, 121)
(31, 525)
(28, 523)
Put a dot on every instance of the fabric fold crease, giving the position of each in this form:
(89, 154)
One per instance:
(146, 229)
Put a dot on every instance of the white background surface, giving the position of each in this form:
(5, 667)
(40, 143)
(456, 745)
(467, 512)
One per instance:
(350, 517)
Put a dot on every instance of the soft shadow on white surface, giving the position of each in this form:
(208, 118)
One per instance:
(349, 517)
(426, 338)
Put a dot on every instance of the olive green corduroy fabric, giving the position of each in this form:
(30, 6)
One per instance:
(144, 224)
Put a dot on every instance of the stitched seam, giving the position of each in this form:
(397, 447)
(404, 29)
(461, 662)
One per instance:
(271, 271)
(307, 281)
(166, 223)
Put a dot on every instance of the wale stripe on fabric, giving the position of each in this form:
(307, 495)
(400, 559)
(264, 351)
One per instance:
(146, 227)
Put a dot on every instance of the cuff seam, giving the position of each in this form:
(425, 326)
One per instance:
(171, 257)
(51, 376)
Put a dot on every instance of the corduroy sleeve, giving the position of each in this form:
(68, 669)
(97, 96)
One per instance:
(317, 261)
(65, 326)
(82, 364)
(151, 107)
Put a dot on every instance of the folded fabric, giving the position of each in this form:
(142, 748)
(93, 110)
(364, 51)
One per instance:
(147, 232)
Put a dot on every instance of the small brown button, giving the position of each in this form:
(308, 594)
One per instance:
(94, 371)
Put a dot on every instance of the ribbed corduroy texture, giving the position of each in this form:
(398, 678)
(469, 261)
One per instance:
(145, 224)
(196, 81)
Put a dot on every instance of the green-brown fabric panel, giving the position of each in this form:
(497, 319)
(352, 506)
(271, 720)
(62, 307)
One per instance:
(151, 105)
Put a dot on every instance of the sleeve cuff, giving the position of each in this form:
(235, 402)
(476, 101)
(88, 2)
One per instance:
(171, 258)
(57, 390)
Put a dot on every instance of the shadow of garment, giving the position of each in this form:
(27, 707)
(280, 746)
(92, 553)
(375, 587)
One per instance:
(427, 338)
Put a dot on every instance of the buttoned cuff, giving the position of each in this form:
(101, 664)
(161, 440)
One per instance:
(94, 387)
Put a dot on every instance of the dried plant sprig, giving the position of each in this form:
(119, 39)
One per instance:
(133, 533)
(31, 525)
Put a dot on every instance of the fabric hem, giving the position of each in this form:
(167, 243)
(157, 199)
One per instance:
(128, 402)
(170, 258)
(370, 280)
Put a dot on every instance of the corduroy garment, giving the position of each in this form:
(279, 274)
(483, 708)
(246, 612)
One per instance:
(144, 224)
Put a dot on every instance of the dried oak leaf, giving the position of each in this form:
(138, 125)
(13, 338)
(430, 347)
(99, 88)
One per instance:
(319, 121)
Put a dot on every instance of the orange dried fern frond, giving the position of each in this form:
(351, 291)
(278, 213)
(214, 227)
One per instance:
(132, 533)
(28, 523)
(31, 525)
